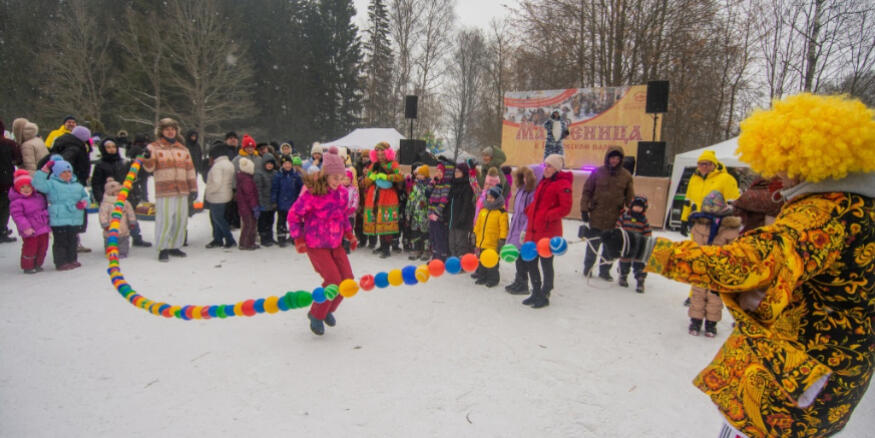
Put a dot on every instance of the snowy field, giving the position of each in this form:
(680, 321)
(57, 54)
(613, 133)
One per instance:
(443, 359)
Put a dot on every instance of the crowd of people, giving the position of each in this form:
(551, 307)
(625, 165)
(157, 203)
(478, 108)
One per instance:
(792, 257)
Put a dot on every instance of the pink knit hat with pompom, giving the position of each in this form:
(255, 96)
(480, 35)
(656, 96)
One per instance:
(332, 163)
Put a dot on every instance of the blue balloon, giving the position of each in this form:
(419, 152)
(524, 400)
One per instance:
(318, 295)
(558, 245)
(453, 265)
(529, 251)
(381, 280)
(408, 274)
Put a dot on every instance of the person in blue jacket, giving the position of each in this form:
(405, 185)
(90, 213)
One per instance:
(67, 199)
(284, 191)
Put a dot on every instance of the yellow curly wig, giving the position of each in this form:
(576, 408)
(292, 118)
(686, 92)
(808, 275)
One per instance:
(810, 137)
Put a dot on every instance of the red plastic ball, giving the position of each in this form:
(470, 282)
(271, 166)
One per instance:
(470, 261)
(367, 282)
(436, 268)
(544, 248)
(249, 308)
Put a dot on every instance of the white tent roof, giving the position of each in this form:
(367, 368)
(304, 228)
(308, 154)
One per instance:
(725, 152)
(367, 138)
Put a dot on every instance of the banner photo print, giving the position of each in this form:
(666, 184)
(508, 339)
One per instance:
(597, 118)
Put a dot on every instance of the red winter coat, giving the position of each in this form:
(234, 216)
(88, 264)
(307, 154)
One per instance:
(552, 203)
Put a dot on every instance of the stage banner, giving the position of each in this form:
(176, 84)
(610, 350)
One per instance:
(597, 119)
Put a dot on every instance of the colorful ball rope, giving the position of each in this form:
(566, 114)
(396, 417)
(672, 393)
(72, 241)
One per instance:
(409, 275)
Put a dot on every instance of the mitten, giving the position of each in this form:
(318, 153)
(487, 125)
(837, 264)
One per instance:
(300, 245)
(472, 172)
(353, 242)
(81, 204)
(147, 153)
(47, 168)
(619, 243)
(28, 232)
(685, 228)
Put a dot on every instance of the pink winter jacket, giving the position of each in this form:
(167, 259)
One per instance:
(321, 220)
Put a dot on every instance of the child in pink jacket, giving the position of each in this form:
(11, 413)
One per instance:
(30, 213)
(318, 223)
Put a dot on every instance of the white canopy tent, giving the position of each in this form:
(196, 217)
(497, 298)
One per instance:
(367, 138)
(725, 152)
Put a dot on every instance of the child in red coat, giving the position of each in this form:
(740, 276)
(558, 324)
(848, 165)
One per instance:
(318, 223)
(247, 203)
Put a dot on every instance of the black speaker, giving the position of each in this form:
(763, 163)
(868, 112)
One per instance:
(657, 97)
(651, 158)
(410, 103)
(411, 151)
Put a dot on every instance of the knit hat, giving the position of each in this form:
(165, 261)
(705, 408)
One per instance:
(494, 191)
(164, 123)
(218, 150)
(297, 161)
(491, 181)
(60, 166)
(423, 170)
(230, 134)
(112, 187)
(247, 166)
(555, 161)
(268, 158)
(21, 178)
(715, 204)
(248, 142)
(82, 133)
(69, 118)
(640, 200)
(708, 156)
(316, 148)
(332, 163)
(464, 168)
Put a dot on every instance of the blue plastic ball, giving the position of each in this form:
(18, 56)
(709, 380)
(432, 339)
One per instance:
(453, 265)
(318, 295)
(558, 245)
(381, 280)
(213, 310)
(529, 251)
(408, 273)
(259, 305)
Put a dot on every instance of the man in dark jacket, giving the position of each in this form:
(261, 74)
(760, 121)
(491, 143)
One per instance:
(111, 165)
(194, 149)
(10, 156)
(459, 212)
(605, 193)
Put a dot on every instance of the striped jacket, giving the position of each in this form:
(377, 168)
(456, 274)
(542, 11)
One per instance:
(172, 168)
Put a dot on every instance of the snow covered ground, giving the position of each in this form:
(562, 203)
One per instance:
(446, 358)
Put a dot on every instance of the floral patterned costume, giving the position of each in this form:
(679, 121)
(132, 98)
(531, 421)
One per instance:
(799, 360)
(381, 212)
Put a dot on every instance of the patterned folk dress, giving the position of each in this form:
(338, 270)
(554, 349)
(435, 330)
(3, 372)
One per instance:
(381, 210)
(799, 360)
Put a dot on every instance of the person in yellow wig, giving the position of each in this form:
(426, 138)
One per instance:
(801, 290)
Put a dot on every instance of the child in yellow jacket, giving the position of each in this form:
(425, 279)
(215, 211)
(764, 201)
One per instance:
(490, 231)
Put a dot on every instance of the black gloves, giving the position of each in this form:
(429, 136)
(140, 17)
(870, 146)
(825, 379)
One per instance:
(619, 243)
(147, 153)
(685, 228)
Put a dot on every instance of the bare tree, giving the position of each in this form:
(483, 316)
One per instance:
(76, 65)
(405, 20)
(429, 60)
(463, 99)
(148, 66)
(213, 77)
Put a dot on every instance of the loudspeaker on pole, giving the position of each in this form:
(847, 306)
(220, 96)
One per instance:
(410, 104)
(657, 97)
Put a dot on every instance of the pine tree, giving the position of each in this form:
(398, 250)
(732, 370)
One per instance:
(378, 68)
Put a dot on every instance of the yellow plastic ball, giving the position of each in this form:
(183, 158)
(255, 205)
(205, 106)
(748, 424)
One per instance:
(422, 274)
(489, 258)
(270, 305)
(348, 288)
(196, 312)
(395, 277)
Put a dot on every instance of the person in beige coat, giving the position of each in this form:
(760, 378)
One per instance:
(218, 194)
(33, 149)
(713, 225)
(127, 221)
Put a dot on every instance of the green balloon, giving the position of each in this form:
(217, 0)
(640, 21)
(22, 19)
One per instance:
(509, 253)
(303, 298)
(331, 292)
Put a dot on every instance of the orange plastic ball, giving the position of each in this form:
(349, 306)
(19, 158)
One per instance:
(436, 268)
(470, 261)
(544, 248)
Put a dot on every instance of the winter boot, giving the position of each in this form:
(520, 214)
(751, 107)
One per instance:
(163, 256)
(137, 240)
(623, 282)
(540, 300)
(282, 242)
(639, 287)
(329, 320)
(372, 242)
(520, 284)
(695, 326)
(710, 329)
(267, 240)
(687, 302)
(385, 251)
(316, 326)
(605, 275)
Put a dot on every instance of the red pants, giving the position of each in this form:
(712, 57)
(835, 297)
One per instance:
(333, 266)
(33, 251)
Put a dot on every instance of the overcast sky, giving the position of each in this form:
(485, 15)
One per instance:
(471, 13)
